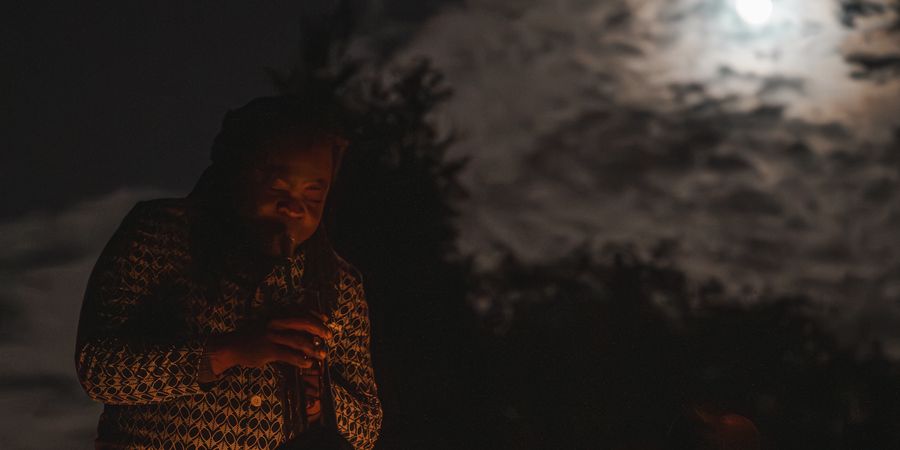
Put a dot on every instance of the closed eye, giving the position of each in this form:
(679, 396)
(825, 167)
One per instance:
(315, 197)
(278, 192)
(280, 185)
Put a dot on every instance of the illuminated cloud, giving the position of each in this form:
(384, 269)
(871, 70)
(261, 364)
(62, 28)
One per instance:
(43, 273)
(753, 147)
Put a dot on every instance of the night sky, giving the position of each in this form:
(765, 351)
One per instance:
(757, 151)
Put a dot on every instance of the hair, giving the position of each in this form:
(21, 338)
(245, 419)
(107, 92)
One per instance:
(246, 131)
(241, 142)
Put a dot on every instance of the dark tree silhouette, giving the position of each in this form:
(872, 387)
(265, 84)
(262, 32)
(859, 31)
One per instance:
(394, 204)
(615, 349)
(603, 350)
(394, 218)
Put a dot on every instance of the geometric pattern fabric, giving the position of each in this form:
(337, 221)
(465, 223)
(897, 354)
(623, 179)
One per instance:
(143, 327)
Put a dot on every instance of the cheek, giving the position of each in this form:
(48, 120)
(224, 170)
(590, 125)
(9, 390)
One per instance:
(313, 217)
(262, 206)
(306, 225)
(250, 204)
(265, 208)
(255, 207)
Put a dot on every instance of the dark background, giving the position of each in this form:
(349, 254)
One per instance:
(578, 221)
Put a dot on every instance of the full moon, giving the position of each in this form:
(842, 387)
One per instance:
(754, 12)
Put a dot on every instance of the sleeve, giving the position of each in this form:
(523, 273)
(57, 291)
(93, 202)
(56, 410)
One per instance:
(357, 407)
(115, 361)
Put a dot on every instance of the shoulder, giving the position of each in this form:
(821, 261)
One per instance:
(162, 220)
(350, 279)
(165, 211)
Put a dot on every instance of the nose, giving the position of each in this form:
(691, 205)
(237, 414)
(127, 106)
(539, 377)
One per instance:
(290, 208)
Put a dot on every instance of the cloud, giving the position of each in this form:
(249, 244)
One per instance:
(754, 149)
(48, 256)
(875, 67)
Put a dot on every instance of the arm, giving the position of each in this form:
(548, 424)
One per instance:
(357, 406)
(116, 364)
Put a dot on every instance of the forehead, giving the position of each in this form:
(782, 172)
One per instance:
(298, 159)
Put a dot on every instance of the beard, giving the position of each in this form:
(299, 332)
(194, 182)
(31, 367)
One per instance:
(276, 238)
(273, 237)
(269, 237)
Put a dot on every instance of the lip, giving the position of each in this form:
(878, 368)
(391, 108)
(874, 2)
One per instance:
(290, 212)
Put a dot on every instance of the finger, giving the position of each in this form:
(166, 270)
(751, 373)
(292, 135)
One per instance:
(306, 314)
(313, 371)
(312, 325)
(291, 356)
(297, 341)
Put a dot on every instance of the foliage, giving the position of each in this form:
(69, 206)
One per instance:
(591, 351)
(608, 350)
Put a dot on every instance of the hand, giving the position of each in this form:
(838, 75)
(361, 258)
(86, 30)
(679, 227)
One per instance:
(298, 341)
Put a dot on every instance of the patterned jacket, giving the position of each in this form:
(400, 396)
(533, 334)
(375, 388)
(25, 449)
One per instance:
(143, 328)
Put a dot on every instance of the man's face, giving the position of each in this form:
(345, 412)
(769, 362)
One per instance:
(284, 195)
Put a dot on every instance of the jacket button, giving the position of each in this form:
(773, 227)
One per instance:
(256, 401)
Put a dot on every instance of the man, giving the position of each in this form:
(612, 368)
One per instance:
(224, 319)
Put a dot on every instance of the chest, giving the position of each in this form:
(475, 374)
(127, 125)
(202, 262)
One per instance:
(230, 301)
